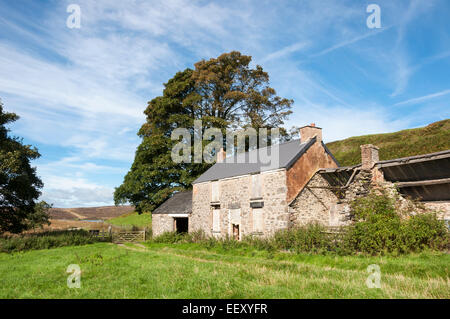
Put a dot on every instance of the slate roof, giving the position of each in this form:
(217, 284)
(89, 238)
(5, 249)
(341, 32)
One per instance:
(179, 203)
(239, 165)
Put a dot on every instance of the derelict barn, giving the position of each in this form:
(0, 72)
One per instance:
(326, 197)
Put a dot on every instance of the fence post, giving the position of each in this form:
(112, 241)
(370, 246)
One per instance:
(145, 233)
(110, 232)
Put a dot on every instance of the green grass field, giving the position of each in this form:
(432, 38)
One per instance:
(132, 219)
(190, 271)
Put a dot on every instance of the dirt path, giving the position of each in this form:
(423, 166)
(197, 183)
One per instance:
(76, 214)
(141, 247)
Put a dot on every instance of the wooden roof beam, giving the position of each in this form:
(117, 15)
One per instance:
(424, 183)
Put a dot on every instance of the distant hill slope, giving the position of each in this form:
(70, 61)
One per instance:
(429, 139)
(82, 213)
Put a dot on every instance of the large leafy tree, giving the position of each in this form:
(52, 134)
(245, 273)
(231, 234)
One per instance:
(224, 93)
(153, 175)
(19, 184)
(234, 95)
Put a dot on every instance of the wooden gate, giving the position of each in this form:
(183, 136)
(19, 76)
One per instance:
(129, 236)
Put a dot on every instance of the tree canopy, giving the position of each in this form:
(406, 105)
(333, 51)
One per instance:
(19, 184)
(224, 93)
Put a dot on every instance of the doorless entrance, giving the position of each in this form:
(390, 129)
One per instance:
(181, 224)
(236, 232)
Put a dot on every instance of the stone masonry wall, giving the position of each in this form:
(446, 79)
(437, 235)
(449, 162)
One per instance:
(317, 203)
(313, 205)
(276, 214)
(441, 207)
(235, 193)
(161, 223)
(201, 208)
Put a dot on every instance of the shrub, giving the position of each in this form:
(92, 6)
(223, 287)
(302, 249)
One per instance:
(148, 233)
(424, 231)
(380, 227)
(47, 240)
(169, 238)
(308, 238)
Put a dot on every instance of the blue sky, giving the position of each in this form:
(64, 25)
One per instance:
(81, 92)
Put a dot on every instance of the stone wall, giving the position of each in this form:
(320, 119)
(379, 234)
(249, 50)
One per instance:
(161, 223)
(201, 218)
(441, 207)
(316, 204)
(235, 193)
(276, 214)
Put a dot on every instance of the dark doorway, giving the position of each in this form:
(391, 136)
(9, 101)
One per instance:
(236, 232)
(181, 224)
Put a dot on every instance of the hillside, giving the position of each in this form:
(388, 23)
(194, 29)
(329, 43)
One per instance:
(85, 217)
(432, 138)
(90, 213)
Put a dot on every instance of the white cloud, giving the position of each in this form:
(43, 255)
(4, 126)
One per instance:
(351, 41)
(84, 90)
(284, 51)
(67, 183)
(424, 98)
(340, 122)
(399, 55)
(78, 196)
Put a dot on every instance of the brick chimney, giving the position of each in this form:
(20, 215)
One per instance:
(221, 155)
(309, 131)
(369, 156)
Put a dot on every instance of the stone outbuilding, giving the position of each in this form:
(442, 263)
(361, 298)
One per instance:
(173, 214)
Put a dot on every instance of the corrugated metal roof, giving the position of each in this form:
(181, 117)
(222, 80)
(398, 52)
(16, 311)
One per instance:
(242, 164)
(423, 177)
(179, 203)
(427, 175)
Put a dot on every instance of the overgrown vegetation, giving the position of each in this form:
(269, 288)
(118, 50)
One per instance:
(381, 227)
(47, 240)
(432, 138)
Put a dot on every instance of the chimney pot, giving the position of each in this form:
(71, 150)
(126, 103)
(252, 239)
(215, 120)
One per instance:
(309, 131)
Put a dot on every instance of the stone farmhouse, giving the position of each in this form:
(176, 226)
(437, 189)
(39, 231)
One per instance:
(239, 199)
(306, 185)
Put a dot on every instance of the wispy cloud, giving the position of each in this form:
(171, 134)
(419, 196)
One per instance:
(399, 55)
(424, 98)
(284, 51)
(81, 92)
(351, 41)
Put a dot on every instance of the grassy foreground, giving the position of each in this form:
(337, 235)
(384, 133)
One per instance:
(189, 271)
